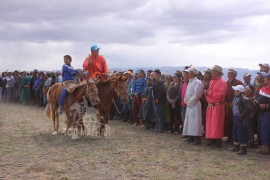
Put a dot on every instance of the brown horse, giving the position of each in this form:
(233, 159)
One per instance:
(87, 89)
(109, 89)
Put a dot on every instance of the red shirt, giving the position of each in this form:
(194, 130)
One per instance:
(98, 65)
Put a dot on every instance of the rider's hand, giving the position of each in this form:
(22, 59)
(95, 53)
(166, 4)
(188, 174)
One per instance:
(89, 60)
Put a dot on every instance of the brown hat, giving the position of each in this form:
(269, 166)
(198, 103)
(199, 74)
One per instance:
(265, 65)
(217, 68)
(208, 71)
(233, 71)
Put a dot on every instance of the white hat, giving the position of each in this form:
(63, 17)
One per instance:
(246, 74)
(194, 70)
(239, 88)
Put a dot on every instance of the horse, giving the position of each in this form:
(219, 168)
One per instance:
(109, 89)
(85, 88)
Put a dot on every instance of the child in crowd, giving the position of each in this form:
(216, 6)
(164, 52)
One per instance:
(241, 115)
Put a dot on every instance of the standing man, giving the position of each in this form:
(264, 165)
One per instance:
(193, 119)
(264, 67)
(263, 103)
(247, 79)
(25, 88)
(232, 81)
(139, 86)
(95, 63)
(158, 98)
(215, 113)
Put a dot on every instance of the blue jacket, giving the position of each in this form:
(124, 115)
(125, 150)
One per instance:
(68, 72)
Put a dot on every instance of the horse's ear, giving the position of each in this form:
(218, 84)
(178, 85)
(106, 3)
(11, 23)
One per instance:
(124, 78)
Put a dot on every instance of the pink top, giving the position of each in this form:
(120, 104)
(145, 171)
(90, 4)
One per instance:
(184, 89)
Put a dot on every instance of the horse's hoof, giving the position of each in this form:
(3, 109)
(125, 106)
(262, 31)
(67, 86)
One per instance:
(74, 137)
(64, 131)
(54, 133)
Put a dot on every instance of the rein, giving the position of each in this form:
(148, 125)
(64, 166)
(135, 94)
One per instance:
(118, 109)
(118, 94)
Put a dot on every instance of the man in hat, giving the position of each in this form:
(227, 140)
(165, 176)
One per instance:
(232, 81)
(247, 79)
(264, 67)
(193, 119)
(263, 102)
(215, 113)
(95, 63)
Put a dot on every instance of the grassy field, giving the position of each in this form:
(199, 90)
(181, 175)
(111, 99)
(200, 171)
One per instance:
(29, 151)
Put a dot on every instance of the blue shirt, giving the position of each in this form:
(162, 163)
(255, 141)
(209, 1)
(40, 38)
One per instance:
(68, 72)
(139, 85)
(235, 103)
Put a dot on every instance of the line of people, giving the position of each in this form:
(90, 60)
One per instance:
(197, 105)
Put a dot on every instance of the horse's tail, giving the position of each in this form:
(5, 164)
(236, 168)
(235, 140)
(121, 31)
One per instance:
(48, 106)
(48, 95)
(48, 110)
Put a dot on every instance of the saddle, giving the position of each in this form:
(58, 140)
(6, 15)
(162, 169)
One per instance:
(71, 85)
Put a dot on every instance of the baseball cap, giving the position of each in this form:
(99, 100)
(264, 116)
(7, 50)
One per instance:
(95, 47)
(239, 88)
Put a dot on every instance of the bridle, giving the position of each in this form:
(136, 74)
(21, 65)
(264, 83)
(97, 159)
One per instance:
(120, 93)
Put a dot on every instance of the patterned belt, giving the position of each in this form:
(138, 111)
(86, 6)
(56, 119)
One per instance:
(26, 85)
(212, 105)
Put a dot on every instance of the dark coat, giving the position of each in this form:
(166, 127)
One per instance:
(245, 109)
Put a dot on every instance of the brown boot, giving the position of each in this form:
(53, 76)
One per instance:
(235, 148)
(190, 139)
(218, 143)
(197, 140)
(211, 142)
(243, 150)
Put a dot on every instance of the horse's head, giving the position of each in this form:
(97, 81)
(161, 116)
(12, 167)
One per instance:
(92, 93)
(122, 88)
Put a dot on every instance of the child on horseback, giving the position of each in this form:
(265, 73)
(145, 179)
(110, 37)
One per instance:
(68, 73)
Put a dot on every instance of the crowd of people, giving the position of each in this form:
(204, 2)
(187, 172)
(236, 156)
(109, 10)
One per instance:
(191, 103)
(197, 105)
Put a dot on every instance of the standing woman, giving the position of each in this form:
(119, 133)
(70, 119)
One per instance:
(173, 98)
(166, 113)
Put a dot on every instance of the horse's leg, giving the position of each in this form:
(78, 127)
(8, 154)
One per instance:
(53, 118)
(75, 125)
(57, 123)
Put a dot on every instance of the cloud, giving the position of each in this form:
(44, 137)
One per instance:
(37, 34)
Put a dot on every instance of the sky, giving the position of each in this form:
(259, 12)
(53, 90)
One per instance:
(134, 33)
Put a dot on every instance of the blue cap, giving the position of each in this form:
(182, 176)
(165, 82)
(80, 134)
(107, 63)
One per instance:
(95, 47)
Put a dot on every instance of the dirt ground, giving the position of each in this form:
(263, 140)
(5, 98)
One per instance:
(28, 150)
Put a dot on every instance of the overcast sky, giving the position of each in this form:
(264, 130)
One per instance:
(134, 33)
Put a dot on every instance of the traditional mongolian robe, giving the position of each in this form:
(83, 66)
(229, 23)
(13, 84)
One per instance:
(228, 128)
(193, 118)
(25, 88)
(215, 113)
